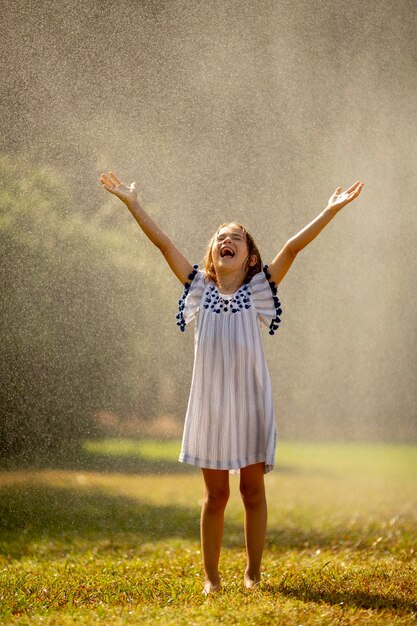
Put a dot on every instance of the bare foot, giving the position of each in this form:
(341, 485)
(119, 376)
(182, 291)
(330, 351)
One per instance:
(251, 581)
(210, 587)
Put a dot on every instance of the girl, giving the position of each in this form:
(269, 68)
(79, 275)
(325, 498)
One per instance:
(230, 422)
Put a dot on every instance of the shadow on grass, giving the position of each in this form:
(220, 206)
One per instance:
(348, 598)
(31, 514)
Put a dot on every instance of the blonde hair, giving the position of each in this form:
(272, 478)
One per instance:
(251, 270)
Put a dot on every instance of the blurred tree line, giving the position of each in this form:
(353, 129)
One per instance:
(76, 337)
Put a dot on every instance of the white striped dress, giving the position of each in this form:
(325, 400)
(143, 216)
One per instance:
(230, 420)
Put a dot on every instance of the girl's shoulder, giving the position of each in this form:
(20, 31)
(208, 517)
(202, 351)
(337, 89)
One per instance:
(263, 278)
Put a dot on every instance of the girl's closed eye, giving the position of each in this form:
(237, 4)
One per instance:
(229, 236)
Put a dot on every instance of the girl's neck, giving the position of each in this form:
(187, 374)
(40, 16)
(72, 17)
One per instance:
(230, 282)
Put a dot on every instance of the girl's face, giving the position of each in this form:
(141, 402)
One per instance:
(230, 250)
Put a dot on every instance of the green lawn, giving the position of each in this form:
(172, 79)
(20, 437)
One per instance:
(111, 537)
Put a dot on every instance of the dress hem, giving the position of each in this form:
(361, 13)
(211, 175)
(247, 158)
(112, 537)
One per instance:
(227, 465)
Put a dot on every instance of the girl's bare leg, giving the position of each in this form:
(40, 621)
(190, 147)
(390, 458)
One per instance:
(216, 495)
(252, 489)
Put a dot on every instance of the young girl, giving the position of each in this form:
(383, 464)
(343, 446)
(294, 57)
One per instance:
(230, 422)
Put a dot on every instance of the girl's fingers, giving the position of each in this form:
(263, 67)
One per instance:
(105, 180)
(108, 185)
(353, 187)
(355, 192)
(108, 188)
(358, 189)
(114, 178)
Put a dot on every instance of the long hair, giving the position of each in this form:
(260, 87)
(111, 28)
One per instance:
(252, 250)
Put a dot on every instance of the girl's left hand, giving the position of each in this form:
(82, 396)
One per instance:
(341, 198)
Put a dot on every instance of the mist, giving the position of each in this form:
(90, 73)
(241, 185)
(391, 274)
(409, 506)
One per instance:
(247, 111)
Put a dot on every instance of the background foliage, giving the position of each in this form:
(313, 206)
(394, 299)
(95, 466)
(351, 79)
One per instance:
(74, 335)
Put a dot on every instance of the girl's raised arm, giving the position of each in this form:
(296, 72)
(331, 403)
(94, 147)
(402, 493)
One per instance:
(284, 259)
(175, 259)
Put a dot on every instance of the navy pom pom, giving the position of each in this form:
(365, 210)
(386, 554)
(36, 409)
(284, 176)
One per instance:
(193, 273)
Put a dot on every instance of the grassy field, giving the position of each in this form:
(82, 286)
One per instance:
(111, 537)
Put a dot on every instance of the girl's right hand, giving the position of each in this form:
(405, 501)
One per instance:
(181, 267)
(111, 183)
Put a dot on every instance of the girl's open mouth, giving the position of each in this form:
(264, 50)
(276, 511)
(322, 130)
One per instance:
(226, 252)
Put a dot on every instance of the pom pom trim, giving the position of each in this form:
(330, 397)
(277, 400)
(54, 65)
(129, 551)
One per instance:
(181, 301)
(278, 310)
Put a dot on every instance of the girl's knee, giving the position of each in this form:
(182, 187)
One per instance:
(216, 499)
(252, 495)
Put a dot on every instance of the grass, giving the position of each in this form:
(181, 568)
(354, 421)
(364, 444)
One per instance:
(111, 537)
